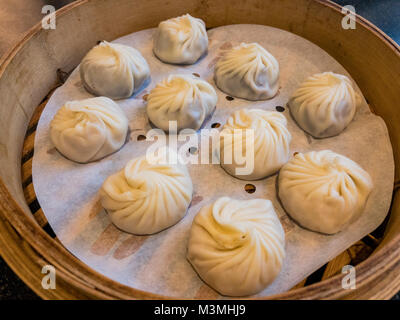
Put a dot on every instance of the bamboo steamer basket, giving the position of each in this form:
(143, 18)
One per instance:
(32, 69)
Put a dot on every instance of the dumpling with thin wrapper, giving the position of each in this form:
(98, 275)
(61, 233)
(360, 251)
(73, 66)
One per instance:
(237, 246)
(248, 71)
(150, 194)
(254, 143)
(114, 70)
(323, 191)
(180, 40)
(324, 104)
(185, 99)
(88, 130)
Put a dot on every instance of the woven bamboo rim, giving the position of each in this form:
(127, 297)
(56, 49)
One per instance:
(27, 247)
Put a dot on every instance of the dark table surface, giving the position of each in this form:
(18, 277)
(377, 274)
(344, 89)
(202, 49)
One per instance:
(383, 13)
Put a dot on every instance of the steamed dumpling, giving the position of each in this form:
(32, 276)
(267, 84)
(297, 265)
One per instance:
(248, 71)
(148, 195)
(180, 40)
(88, 130)
(182, 98)
(266, 154)
(237, 246)
(323, 191)
(113, 70)
(324, 104)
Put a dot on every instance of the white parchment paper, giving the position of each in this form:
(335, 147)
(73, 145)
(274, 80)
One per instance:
(68, 191)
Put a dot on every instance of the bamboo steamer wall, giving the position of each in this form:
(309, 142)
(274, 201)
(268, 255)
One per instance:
(29, 71)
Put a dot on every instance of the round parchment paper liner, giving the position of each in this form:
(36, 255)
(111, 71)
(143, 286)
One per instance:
(68, 191)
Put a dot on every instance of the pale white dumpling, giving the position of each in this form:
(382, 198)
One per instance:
(185, 99)
(248, 71)
(237, 246)
(324, 104)
(148, 195)
(113, 70)
(88, 130)
(265, 146)
(323, 191)
(181, 40)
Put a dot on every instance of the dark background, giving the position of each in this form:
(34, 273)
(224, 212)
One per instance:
(20, 15)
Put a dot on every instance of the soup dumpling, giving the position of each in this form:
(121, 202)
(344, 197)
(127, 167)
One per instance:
(248, 71)
(260, 137)
(185, 99)
(323, 191)
(324, 104)
(114, 70)
(88, 130)
(150, 194)
(181, 40)
(237, 246)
